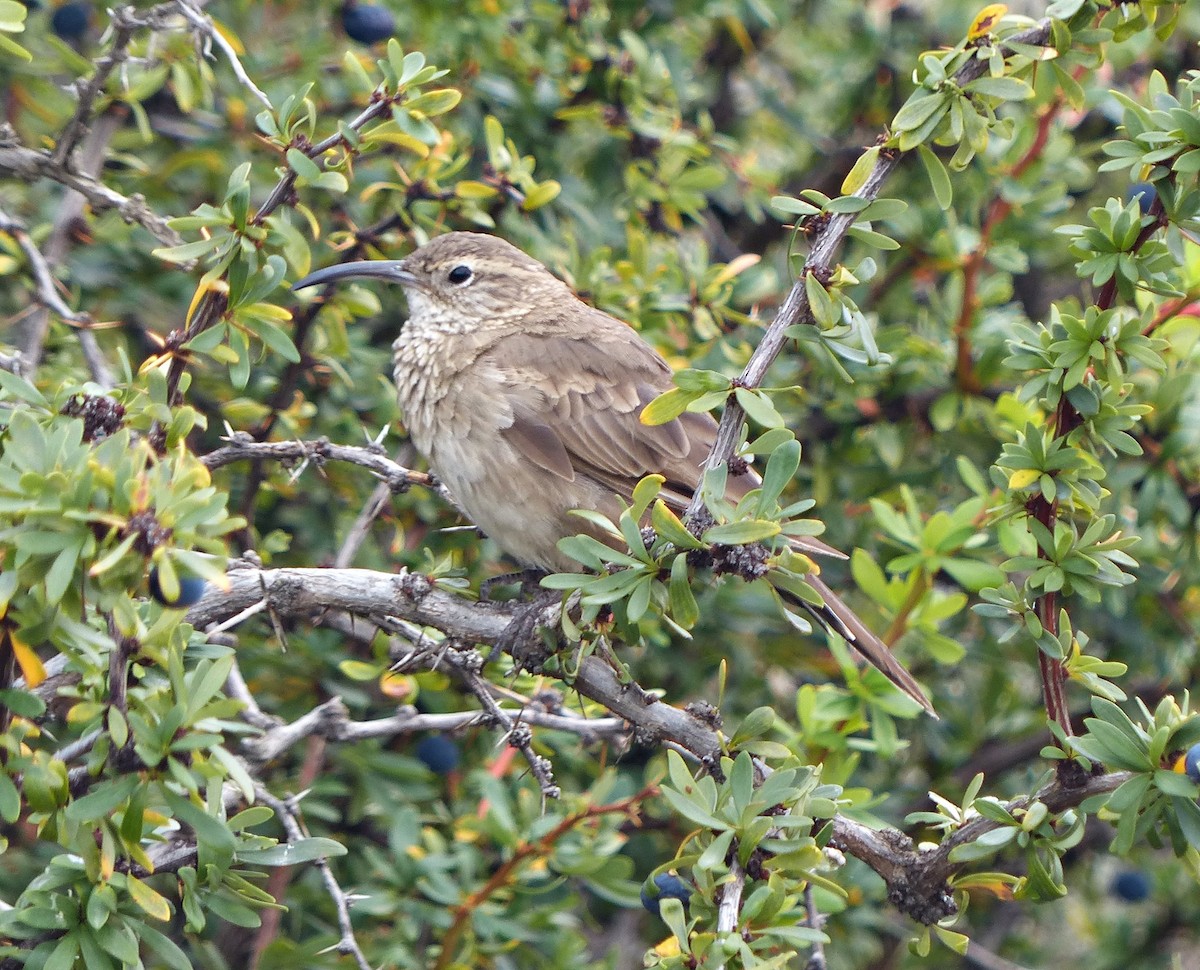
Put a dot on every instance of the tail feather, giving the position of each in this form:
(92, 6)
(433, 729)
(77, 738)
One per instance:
(838, 617)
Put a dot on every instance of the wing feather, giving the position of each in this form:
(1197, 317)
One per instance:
(595, 387)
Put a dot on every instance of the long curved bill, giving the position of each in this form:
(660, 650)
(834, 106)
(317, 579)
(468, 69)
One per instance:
(391, 270)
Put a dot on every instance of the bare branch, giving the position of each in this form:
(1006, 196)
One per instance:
(730, 906)
(203, 25)
(242, 447)
(795, 309)
(30, 164)
(288, 813)
(305, 593)
(45, 291)
(125, 26)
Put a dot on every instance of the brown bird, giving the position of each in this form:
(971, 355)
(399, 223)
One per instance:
(526, 402)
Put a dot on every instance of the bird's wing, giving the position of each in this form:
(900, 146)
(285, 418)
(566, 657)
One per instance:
(576, 404)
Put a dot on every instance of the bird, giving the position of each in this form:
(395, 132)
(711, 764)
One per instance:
(526, 403)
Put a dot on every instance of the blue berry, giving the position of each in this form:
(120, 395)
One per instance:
(70, 21)
(1131, 885)
(1145, 193)
(669, 887)
(1191, 762)
(367, 23)
(191, 591)
(438, 753)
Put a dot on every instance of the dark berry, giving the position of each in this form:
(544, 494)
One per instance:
(438, 753)
(367, 23)
(1191, 762)
(70, 21)
(668, 887)
(1131, 885)
(191, 591)
(1145, 193)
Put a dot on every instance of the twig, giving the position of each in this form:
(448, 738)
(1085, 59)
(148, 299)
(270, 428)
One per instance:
(243, 447)
(235, 687)
(529, 850)
(730, 906)
(204, 25)
(280, 878)
(287, 813)
(77, 749)
(795, 309)
(45, 291)
(125, 26)
(370, 511)
(30, 164)
(814, 919)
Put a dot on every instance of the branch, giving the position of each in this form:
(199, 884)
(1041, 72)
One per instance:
(29, 164)
(287, 812)
(917, 880)
(45, 291)
(204, 26)
(125, 25)
(243, 447)
(795, 309)
(332, 721)
(380, 597)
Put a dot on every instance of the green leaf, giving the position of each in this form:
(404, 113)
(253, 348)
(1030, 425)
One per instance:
(294, 853)
(302, 165)
(667, 407)
(919, 109)
(150, 902)
(102, 802)
(165, 948)
(741, 533)
(668, 525)
(1005, 88)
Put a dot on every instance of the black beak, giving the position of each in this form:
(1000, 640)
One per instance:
(391, 270)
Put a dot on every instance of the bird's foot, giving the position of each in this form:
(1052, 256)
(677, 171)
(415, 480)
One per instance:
(527, 581)
(532, 634)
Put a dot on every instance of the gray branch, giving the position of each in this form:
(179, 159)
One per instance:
(30, 164)
(287, 813)
(795, 309)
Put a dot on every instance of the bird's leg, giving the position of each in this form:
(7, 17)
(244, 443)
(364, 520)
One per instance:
(532, 634)
(528, 580)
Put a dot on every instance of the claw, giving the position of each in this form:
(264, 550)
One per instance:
(529, 581)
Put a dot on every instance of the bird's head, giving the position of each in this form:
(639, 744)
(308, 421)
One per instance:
(461, 275)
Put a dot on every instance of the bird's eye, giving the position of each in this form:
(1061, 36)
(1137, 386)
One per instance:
(459, 275)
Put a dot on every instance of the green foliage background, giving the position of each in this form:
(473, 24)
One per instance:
(662, 133)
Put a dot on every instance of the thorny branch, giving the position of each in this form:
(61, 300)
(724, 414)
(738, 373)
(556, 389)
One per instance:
(408, 603)
(287, 811)
(31, 164)
(795, 309)
(243, 447)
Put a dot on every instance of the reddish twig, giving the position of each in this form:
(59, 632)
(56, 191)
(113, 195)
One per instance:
(524, 852)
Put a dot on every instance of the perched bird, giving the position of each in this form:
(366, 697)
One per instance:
(526, 402)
